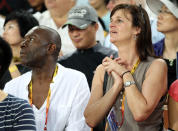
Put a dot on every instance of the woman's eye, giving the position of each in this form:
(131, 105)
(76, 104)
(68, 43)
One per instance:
(10, 26)
(119, 21)
(160, 11)
(164, 11)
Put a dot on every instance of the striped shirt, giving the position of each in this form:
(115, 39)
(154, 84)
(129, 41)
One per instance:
(16, 115)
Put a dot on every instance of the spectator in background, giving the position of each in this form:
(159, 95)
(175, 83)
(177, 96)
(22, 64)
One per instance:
(36, 5)
(167, 12)
(102, 11)
(156, 36)
(16, 114)
(8, 6)
(82, 30)
(16, 25)
(56, 16)
(131, 102)
(57, 94)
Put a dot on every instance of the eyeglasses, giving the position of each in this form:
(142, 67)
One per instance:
(164, 9)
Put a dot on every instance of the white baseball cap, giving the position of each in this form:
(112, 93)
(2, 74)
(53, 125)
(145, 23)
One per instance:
(156, 5)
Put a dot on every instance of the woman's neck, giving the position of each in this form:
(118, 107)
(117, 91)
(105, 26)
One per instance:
(171, 46)
(15, 50)
(128, 54)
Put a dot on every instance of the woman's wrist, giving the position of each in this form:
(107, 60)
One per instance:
(117, 86)
(124, 73)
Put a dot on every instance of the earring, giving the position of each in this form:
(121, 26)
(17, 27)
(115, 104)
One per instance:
(135, 37)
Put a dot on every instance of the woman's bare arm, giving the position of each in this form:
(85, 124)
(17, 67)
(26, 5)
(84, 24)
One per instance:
(154, 87)
(100, 105)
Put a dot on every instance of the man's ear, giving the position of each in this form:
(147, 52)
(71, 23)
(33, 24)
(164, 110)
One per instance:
(51, 48)
(96, 27)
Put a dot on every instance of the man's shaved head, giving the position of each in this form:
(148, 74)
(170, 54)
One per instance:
(50, 35)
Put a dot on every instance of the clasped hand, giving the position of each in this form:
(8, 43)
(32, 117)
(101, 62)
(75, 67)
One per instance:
(115, 67)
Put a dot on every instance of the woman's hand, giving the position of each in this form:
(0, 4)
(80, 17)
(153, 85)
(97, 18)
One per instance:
(118, 82)
(116, 65)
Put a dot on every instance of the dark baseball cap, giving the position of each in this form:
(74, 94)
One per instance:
(81, 17)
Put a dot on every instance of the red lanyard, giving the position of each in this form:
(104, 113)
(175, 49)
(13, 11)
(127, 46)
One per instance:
(123, 99)
(47, 99)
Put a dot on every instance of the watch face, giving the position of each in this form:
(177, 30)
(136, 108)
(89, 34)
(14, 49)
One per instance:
(128, 83)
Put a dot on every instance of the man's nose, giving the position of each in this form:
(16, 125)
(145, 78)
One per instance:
(23, 43)
(75, 33)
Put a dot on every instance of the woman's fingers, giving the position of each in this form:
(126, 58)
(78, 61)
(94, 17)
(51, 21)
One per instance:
(121, 62)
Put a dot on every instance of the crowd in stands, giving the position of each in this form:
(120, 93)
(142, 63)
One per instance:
(89, 65)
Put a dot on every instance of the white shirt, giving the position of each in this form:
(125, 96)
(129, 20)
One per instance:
(67, 45)
(69, 97)
(1, 25)
(82, 2)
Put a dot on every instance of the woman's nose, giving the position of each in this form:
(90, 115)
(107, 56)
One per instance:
(4, 34)
(160, 16)
(112, 24)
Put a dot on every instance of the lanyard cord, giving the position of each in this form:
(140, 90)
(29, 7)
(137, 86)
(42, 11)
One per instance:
(13, 68)
(123, 99)
(47, 99)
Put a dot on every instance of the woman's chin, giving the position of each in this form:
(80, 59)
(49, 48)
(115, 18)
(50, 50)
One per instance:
(112, 40)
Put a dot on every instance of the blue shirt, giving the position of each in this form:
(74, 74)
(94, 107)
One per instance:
(82, 2)
(106, 20)
(159, 48)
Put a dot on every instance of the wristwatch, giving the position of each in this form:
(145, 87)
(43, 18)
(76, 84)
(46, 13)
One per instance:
(128, 83)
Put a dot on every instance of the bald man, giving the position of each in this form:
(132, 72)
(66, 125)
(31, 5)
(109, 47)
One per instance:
(58, 95)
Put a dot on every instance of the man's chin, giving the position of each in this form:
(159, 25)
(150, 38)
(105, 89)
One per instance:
(24, 63)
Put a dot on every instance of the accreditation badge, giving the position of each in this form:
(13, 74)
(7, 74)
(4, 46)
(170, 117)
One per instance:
(112, 120)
